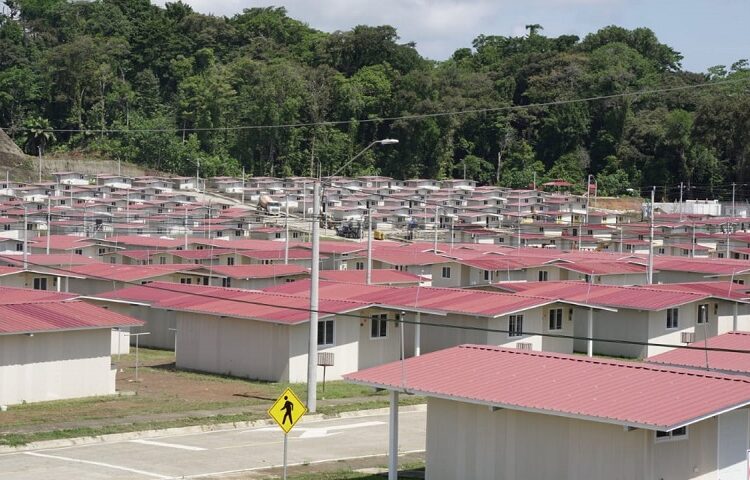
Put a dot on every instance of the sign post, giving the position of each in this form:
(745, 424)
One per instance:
(286, 412)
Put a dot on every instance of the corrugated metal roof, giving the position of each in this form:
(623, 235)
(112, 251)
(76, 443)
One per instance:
(723, 361)
(626, 393)
(58, 316)
(12, 295)
(258, 271)
(379, 276)
(129, 273)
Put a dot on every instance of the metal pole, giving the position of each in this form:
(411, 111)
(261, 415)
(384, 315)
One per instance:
(136, 357)
(437, 221)
(243, 185)
(588, 197)
(417, 334)
(286, 443)
(25, 239)
(734, 214)
(186, 229)
(39, 148)
(286, 230)
(590, 332)
(452, 219)
(369, 246)
(393, 437)
(197, 175)
(312, 354)
(49, 221)
(651, 239)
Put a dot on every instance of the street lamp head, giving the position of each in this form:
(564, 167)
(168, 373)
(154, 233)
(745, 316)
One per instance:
(388, 141)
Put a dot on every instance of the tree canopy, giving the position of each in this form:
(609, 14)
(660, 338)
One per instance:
(260, 90)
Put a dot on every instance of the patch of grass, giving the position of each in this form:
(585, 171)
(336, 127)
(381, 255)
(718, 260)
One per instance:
(18, 439)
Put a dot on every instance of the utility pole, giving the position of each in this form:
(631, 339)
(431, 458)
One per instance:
(286, 230)
(49, 222)
(369, 246)
(312, 354)
(25, 239)
(734, 213)
(197, 175)
(651, 240)
(186, 227)
(243, 185)
(437, 221)
(39, 149)
(681, 185)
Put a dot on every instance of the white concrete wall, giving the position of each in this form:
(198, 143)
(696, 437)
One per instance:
(232, 346)
(625, 324)
(54, 366)
(472, 442)
(353, 347)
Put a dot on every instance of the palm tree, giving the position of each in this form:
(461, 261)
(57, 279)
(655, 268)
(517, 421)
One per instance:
(39, 134)
(534, 28)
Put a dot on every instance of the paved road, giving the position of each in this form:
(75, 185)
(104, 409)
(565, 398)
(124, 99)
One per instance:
(216, 453)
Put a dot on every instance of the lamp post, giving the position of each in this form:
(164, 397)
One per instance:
(312, 353)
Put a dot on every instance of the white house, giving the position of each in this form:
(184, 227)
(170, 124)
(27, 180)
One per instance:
(496, 414)
(54, 347)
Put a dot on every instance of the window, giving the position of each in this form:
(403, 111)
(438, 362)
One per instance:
(359, 266)
(40, 284)
(515, 325)
(219, 233)
(555, 319)
(661, 251)
(6, 226)
(487, 276)
(676, 434)
(672, 317)
(703, 313)
(102, 251)
(162, 260)
(226, 282)
(325, 332)
(230, 260)
(19, 247)
(186, 281)
(543, 275)
(379, 326)
(738, 282)
(238, 233)
(278, 235)
(446, 272)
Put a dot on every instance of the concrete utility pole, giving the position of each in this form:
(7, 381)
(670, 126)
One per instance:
(369, 246)
(49, 222)
(312, 354)
(39, 149)
(197, 175)
(286, 230)
(681, 185)
(25, 239)
(243, 185)
(437, 221)
(651, 240)
(734, 213)
(186, 228)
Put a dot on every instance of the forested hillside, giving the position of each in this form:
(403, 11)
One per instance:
(167, 86)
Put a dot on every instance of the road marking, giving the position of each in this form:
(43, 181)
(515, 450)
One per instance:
(168, 445)
(100, 464)
(314, 462)
(320, 432)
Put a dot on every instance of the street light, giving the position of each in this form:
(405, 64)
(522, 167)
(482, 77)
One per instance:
(312, 353)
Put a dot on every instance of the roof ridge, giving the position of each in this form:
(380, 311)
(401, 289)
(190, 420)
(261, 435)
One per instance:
(611, 362)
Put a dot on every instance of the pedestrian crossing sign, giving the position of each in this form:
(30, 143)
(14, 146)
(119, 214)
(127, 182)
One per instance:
(287, 410)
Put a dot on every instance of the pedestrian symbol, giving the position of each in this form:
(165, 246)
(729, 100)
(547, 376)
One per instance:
(287, 410)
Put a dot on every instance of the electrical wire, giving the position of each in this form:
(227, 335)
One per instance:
(400, 117)
(395, 321)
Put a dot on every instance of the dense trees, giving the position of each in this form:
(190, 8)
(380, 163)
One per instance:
(168, 86)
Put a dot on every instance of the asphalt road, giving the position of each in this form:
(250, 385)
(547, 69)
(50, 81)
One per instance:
(217, 453)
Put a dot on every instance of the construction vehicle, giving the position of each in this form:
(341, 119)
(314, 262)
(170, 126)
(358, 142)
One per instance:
(269, 205)
(349, 229)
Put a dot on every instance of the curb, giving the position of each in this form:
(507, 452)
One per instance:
(126, 436)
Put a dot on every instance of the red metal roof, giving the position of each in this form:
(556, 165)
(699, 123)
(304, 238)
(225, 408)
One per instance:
(11, 295)
(609, 391)
(58, 315)
(722, 361)
(641, 297)
(128, 273)
(381, 276)
(51, 260)
(250, 304)
(258, 271)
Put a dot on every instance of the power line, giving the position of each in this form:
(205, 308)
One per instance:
(395, 321)
(395, 118)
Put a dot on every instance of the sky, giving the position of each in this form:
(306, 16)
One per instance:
(706, 32)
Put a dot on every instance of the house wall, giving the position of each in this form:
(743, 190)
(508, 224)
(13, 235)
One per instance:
(353, 347)
(233, 346)
(625, 324)
(472, 441)
(53, 366)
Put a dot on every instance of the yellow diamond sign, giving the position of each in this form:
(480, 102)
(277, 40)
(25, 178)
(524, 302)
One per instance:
(287, 410)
